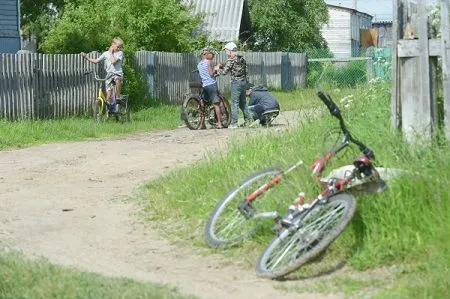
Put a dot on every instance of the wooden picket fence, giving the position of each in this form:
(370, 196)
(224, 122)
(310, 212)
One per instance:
(39, 86)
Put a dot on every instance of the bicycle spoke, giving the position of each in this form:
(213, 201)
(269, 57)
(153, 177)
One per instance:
(227, 224)
(293, 245)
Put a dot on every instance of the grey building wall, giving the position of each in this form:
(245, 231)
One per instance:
(384, 34)
(342, 30)
(9, 26)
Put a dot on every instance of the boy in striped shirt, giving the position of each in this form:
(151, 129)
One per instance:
(209, 83)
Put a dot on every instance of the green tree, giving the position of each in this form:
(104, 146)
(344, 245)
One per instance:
(37, 16)
(159, 25)
(287, 25)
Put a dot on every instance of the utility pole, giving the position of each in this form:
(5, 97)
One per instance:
(355, 4)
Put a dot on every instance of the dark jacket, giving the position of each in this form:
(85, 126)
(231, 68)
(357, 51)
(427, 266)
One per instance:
(261, 95)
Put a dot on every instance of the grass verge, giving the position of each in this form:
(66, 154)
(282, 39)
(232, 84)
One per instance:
(38, 279)
(19, 134)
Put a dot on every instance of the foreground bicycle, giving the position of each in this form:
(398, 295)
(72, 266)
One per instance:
(306, 229)
(101, 109)
(197, 111)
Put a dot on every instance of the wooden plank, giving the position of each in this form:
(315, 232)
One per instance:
(416, 96)
(445, 48)
(411, 47)
(21, 103)
(397, 24)
(28, 72)
(2, 86)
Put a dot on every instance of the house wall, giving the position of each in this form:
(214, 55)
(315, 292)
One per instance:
(384, 34)
(9, 26)
(358, 21)
(337, 33)
(342, 31)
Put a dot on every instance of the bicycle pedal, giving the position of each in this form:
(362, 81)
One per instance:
(246, 209)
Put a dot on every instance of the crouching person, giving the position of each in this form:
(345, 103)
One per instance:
(262, 104)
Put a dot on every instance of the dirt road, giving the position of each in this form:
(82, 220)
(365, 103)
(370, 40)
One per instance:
(68, 203)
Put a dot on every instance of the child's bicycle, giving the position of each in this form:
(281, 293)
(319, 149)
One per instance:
(306, 229)
(118, 107)
(196, 111)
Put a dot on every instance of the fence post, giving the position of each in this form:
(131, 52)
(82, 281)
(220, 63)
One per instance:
(414, 102)
(445, 54)
(285, 72)
(150, 71)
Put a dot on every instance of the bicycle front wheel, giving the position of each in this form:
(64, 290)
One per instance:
(192, 113)
(227, 225)
(320, 227)
(97, 110)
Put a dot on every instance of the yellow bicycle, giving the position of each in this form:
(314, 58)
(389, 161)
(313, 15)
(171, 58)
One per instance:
(118, 107)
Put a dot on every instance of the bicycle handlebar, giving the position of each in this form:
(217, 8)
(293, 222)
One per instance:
(97, 78)
(334, 111)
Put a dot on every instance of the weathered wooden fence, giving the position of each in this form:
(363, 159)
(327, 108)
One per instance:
(168, 74)
(44, 86)
(415, 68)
(40, 86)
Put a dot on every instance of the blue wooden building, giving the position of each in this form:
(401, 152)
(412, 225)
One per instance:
(10, 41)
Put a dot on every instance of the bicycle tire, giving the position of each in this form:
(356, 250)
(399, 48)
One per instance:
(226, 115)
(123, 113)
(192, 113)
(97, 110)
(313, 237)
(215, 232)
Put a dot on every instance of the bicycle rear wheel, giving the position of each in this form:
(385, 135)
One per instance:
(192, 113)
(320, 227)
(226, 225)
(123, 113)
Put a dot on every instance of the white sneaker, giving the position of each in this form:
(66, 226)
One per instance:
(233, 126)
(254, 124)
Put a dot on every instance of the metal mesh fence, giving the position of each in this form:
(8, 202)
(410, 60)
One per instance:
(323, 70)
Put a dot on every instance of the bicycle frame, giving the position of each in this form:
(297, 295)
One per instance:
(362, 170)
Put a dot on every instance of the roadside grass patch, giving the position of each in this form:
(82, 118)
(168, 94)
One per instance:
(38, 279)
(24, 133)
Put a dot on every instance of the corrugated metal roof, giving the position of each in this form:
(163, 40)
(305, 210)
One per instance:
(223, 18)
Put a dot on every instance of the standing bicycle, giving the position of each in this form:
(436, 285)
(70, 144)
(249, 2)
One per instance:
(309, 226)
(102, 109)
(198, 112)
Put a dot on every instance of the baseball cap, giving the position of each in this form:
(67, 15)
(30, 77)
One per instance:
(249, 85)
(230, 46)
(208, 50)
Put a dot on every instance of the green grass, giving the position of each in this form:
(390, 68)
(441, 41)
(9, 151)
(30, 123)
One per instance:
(406, 227)
(37, 279)
(25, 133)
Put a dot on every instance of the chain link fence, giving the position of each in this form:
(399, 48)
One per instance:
(324, 70)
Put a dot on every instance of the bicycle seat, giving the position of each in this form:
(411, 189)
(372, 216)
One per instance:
(195, 84)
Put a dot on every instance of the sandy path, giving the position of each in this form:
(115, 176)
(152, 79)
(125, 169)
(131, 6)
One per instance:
(101, 232)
